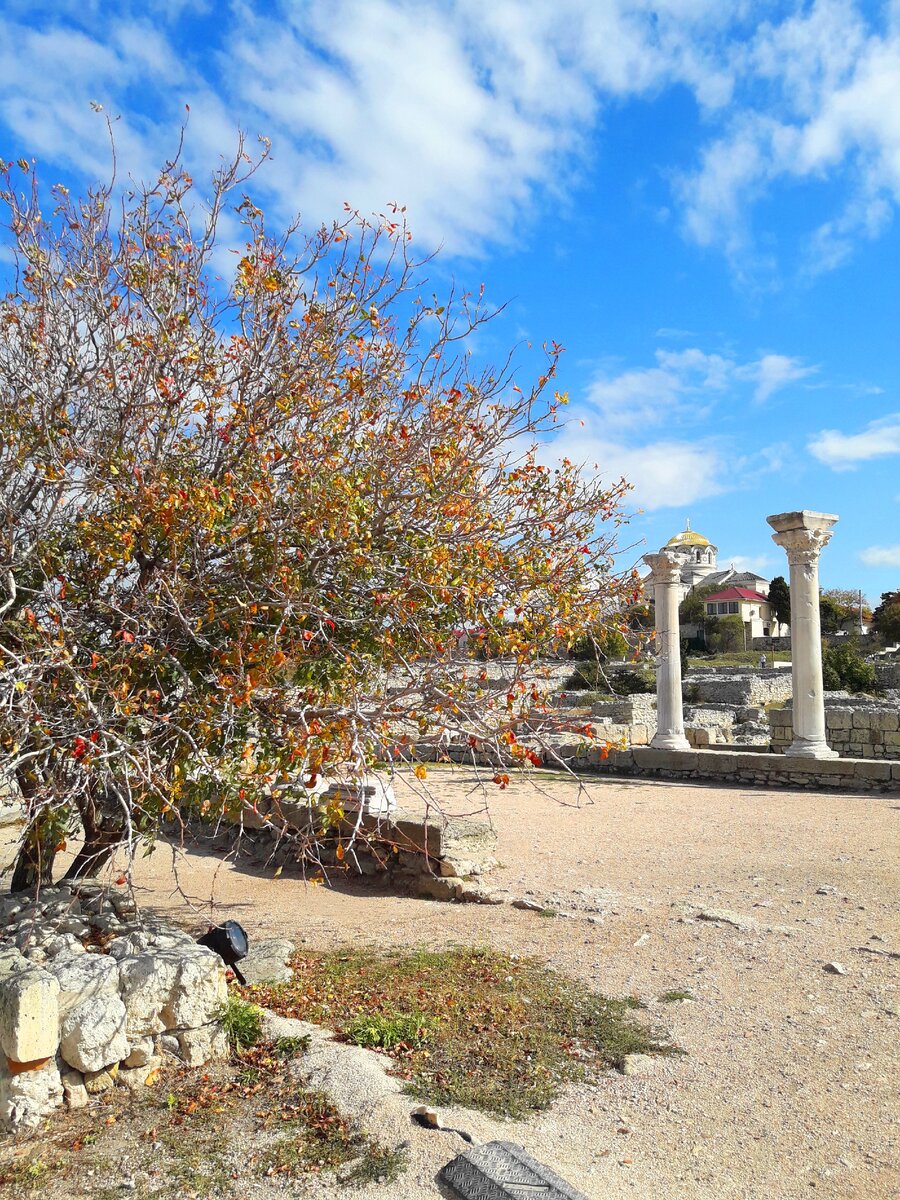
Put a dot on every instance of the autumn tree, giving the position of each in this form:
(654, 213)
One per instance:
(242, 513)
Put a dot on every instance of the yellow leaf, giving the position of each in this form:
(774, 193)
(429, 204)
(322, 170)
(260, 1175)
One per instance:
(421, 772)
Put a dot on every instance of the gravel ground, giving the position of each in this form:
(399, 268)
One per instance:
(788, 1085)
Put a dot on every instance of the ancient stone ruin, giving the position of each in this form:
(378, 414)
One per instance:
(92, 995)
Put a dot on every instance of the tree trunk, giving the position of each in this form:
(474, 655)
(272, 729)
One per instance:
(34, 863)
(103, 821)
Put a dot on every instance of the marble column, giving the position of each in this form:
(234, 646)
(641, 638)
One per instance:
(803, 534)
(665, 579)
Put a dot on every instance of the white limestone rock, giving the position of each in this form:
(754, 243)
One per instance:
(83, 978)
(267, 961)
(29, 1014)
(199, 1046)
(146, 985)
(199, 990)
(28, 1096)
(142, 1051)
(93, 1034)
(74, 1092)
(138, 1077)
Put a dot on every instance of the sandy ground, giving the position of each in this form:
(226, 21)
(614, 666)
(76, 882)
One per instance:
(788, 1087)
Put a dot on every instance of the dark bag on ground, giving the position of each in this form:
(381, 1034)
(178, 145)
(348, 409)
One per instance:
(231, 944)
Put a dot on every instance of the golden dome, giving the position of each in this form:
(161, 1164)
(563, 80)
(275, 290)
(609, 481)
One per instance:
(688, 537)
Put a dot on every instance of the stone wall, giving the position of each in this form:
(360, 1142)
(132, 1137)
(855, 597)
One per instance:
(91, 997)
(737, 685)
(752, 767)
(887, 675)
(858, 730)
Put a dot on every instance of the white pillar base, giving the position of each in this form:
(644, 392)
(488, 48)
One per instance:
(801, 749)
(669, 741)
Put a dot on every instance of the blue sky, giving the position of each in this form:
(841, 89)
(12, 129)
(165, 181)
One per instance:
(697, 199)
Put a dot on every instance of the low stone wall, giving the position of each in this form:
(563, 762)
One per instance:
(91, 997)
(887, 675)
(737, 686)
(770, 643)
(860, 730)
(749, 767)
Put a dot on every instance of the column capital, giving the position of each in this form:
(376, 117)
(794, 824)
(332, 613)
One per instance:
(664, 568)
(802, 534)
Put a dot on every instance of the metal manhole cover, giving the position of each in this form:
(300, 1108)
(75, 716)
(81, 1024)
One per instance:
(504, 1171)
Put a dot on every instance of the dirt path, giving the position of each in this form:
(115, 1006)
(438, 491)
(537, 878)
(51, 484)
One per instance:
(788, 1087)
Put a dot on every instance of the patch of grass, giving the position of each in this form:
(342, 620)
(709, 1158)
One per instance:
(674, 996)
(326, 1141)
(507, 1032)
(379, 1165)
(388, 1031)
(291, 1047)
(242, 1023)
(547, 912)
(26, 1176)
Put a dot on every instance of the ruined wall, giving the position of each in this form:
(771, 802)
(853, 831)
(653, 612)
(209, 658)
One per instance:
(858, 730)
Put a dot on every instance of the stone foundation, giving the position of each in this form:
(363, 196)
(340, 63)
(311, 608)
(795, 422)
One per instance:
(90, 997)
(753, 767)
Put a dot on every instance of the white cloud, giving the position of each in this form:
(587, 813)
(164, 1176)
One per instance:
(773, 372)
(665, 474)
(881, 556)
(821, 100)
(843, 451)
(475, 115)
(685, 383)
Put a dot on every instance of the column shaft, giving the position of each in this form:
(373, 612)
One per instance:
(666, 579)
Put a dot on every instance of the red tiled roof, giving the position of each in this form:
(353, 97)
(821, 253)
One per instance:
(737, 594)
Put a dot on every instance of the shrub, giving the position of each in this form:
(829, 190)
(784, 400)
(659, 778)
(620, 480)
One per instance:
(242, 1023)
(843, 667)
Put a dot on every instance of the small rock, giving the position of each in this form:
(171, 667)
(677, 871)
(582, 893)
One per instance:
(96, 1082)
(835, 968)
(826, 890)
(637, 1064)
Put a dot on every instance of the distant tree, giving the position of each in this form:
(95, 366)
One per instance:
(727, 635)
(831, 614)
(780, 599)
(886, 618)
(844, 668)
(692, 610)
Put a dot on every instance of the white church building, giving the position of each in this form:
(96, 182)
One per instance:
(735, 593)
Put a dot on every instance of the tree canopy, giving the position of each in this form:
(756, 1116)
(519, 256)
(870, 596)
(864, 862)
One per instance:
(246, 508)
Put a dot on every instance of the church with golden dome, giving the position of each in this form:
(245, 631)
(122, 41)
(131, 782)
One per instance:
(699, 562)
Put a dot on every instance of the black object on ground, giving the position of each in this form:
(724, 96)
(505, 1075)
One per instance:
(230, 942)
(504, 1171)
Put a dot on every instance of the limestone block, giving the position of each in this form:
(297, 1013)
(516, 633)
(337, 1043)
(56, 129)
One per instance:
(74, 1092)
(199, 1046)
(12, 960)
(861, 719)
(28, 1096)
(139, 1077)
(29, 1015)
(267, 961)
(200, 988)
(892, 740)
(96, 1082)
(142, 1051)
(93, 1034)
(84, 977)
(146, 985)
